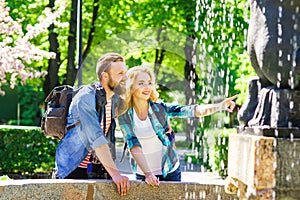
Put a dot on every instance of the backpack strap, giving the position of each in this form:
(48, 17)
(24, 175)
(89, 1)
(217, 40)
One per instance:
(101, 101)
(100, 96)
(72, 126)
(124, 150)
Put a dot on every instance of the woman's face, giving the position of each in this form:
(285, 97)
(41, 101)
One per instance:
(142, 86)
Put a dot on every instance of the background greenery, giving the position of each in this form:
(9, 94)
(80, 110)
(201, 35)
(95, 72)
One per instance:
(25, 150)
(157, 32)
(192, 46)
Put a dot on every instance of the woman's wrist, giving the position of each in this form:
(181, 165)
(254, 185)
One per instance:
(147, 174)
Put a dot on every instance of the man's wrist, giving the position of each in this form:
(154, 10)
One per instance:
(115, 174)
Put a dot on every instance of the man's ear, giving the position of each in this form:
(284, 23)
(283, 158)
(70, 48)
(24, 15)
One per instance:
(104, 76)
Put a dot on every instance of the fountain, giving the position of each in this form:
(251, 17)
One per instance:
(263, 159)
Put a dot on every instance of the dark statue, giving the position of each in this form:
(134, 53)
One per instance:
(263, 158)
(273, 45)
(273, 49)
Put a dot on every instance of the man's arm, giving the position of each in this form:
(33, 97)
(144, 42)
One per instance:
(104, 155)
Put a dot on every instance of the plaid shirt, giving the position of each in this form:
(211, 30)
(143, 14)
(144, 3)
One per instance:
(158, 114)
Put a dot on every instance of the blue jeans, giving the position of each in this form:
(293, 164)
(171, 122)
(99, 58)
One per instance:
(173, 176)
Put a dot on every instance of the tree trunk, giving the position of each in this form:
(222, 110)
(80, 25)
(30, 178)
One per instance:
(191, 79)
(71, 68)
(159, 54)
(52, 79)
(92, 30)
(190, 75)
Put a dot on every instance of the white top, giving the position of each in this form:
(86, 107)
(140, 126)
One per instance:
(151, 145)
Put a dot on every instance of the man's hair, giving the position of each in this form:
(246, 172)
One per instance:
(104, 63)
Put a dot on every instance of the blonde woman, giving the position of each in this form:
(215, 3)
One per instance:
(144, 123)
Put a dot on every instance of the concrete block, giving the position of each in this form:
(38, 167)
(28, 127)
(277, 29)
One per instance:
(269, 167)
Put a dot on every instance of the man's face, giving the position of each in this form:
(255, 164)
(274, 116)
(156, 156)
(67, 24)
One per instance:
(117, 77)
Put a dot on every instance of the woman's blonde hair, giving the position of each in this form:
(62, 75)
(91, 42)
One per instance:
(131, 77)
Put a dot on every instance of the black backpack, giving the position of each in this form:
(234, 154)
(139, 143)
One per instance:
(54, 120)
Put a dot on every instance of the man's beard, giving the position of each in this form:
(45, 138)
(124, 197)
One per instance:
(116, 87)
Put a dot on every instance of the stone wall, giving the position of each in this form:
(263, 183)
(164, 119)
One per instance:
(101, 189)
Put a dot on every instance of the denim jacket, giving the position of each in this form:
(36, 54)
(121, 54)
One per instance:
(156, 111)
(85, 136)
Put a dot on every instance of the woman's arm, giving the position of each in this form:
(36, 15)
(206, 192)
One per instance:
(174, 110)
(228, 104)
(139, 157)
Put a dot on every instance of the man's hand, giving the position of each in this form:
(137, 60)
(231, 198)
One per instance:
(105, 157)
(122, 183)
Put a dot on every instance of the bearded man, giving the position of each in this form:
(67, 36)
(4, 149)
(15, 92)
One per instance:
(87, 150)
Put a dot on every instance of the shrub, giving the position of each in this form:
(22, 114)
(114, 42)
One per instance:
(26, 150)
(4, 178)
(201, 148)
(221, 152)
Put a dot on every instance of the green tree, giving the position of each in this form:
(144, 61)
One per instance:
(165, 33)
(21, 57)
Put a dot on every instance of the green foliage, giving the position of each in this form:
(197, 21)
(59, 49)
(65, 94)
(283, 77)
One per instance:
(17, 8)
(200, 146)
(222, 37)
(223, 66)
(31, 100)
(213, 155)
(220, 152)
(131, 28)
(178, 125)
(26, 150)
(25, 122)
(243, 75)
(4, 178)
(191, 158)
(28, 101)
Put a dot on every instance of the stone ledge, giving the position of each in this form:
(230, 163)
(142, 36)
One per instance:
(264, 167)
(104, 189)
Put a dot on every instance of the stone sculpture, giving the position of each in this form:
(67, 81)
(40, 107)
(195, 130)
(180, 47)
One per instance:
(273, 45)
